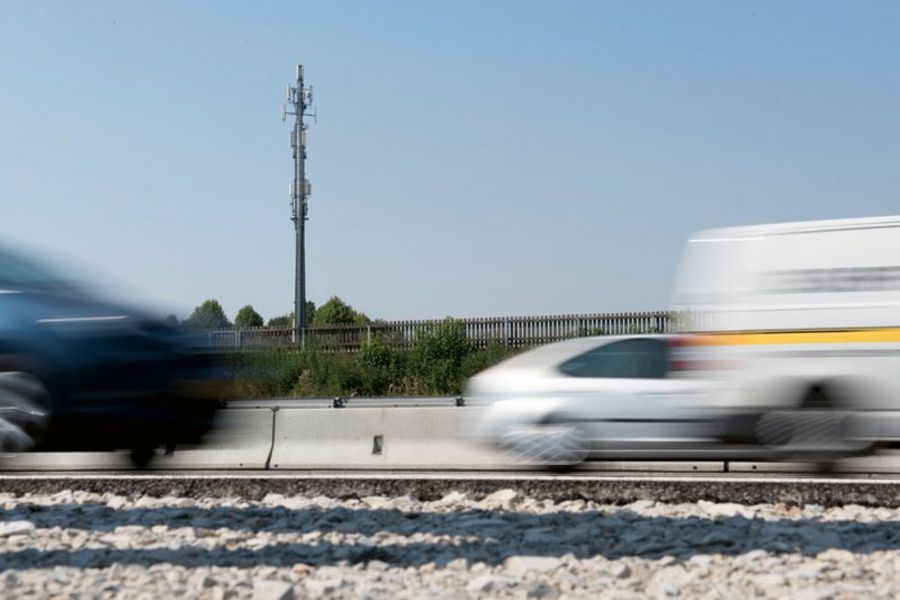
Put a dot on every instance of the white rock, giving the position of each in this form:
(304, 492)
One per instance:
(116, 502)
(838, 555)
(377, 565)
(641, 505)
(487, 583)
(320, 587)
(328, 573)
(500, 497)
(670, 580)
(272, 590)
(377, 502)
(452, 498)
(769, 581)
(318, 501)
(518, 565)
(721, 509)
(620, 570)
(814, 594)
(16, 528)
(550, 548)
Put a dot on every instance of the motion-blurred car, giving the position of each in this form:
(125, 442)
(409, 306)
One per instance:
(81, 373)
(595, 397)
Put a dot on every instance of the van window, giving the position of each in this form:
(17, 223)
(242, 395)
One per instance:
(639, 358)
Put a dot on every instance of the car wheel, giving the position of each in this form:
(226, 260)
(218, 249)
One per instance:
(142, 455)
(24, 411)
(557, 445)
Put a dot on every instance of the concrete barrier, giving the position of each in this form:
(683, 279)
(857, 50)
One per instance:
(367, 438)
(242, 440)
(406, 438)
(881, 463)
(372, 437)
(65, 461)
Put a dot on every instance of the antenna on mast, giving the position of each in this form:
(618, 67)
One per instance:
(298, 99)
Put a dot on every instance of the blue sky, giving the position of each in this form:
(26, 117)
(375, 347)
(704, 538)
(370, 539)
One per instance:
(469, 158)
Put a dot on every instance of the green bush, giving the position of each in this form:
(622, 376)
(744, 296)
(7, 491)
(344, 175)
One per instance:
(438, 354)
(383, 368)
(585, 332)
(480, 360)
(438, 364)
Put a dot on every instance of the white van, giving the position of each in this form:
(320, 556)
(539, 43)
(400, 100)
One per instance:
(800, 322)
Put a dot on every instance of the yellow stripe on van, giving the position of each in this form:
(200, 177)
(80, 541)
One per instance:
(850, 336)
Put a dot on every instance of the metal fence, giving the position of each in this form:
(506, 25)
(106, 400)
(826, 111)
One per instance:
(515, 332)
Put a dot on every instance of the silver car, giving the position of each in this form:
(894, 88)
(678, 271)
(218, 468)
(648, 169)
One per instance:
(609, 397)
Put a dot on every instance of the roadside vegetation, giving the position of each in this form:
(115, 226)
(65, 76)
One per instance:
(438, 363)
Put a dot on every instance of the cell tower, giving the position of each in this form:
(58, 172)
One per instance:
(298, 101)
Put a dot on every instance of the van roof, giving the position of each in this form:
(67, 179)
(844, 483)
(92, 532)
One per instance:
(725, 233)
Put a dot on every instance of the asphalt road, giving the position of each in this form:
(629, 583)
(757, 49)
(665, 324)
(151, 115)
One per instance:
(618, 488)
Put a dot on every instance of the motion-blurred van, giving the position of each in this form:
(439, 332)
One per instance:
(800, 323)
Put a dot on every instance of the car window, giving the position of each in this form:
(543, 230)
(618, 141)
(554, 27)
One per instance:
(632, 359)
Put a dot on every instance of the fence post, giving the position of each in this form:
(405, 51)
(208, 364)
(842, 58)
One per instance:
(368, 334)
(506, 331)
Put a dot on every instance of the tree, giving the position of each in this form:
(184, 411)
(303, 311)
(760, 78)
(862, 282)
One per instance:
(285, 321)
(282, 322)
(248, 317)
(337, 312)
(209, 315)
(171, 320)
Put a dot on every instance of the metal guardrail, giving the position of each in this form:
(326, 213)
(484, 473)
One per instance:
(514, 332)
(348, 402)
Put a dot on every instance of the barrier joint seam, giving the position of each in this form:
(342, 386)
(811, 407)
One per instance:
(272, 441)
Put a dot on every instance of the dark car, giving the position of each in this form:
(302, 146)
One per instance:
(81, 373)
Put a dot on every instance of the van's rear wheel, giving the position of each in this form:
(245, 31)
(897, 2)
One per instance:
(817, 430)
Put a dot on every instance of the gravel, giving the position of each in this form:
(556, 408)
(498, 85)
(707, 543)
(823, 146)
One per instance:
(90, 545)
